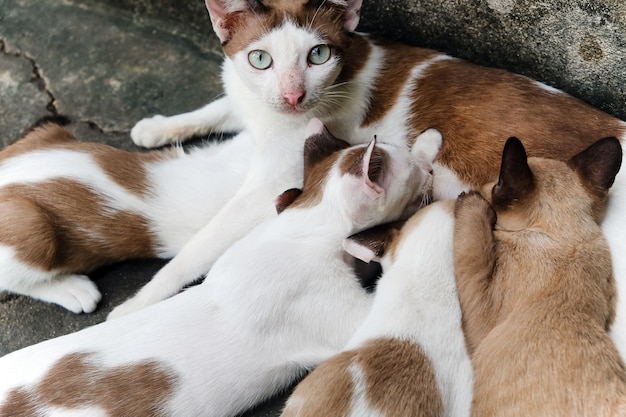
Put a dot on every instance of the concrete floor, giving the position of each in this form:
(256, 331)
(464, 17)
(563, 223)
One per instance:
(104, 69)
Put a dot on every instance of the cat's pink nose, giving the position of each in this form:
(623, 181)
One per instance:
(294, 97)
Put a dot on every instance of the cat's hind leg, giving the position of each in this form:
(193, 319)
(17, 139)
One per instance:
(215, 117)
(28, 252)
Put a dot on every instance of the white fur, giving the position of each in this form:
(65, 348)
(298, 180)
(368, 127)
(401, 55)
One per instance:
(278, 302)
(416, 300)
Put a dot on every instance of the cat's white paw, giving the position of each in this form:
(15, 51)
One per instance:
(151, 132)
(129, 306)
(76, 293)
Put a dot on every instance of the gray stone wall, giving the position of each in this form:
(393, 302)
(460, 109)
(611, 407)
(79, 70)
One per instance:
(578, 46)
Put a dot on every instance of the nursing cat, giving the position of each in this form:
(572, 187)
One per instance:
(276, 304)
(536, 287)
(408, 357)
(289, 60)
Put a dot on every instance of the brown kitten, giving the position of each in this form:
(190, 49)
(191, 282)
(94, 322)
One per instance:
(536, 287)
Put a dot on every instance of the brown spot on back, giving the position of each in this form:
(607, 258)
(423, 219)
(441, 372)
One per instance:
(477, 109)
(399, 61)
(400, 378)
(63, 225)
(128, 169)
(327, 391)
(77, 380)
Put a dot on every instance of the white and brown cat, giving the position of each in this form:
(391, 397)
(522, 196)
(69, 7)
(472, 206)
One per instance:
(289, 60)
(276, 304)
(536, 287)
(408, 357)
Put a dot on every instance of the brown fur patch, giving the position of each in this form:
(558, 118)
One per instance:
(249, 25)
(324, 392)
(398, 377)
(125, 168)
(63, 225)
(77, 381)
(477, 109)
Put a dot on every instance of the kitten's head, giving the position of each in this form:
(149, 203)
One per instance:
(547, 194)
(368, 184)
(287, 52)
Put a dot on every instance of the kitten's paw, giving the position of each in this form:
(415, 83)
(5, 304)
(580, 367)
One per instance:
(76, 293)
(129, 306)
(151, 132)
(473, 204)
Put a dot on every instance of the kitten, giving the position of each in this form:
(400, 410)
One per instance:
(408, 358)
(536, 288)
(68, 207)
(278, 302)
(289, 60)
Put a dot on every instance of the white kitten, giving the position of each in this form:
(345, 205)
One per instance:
(408, 357)
(278, 302)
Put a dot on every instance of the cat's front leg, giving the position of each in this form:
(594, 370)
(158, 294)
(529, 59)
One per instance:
(215, 117)
(196, 258)
(474, 263)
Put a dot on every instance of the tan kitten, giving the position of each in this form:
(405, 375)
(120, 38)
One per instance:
(536, 287)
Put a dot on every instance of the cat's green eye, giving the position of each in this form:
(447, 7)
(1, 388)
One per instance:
(319, 54)
(260, 59)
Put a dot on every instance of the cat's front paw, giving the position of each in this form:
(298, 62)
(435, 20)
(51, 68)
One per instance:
(151, 132)
(471, 205)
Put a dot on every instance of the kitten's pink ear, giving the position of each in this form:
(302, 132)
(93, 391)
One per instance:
(220, 12)
(516, 179)
(353, 15)
(286, 199)
(370, 167)
(371, 244)
(599, 164)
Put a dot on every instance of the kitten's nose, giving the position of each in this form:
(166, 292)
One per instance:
(294, 97)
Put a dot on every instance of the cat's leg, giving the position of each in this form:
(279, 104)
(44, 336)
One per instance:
(474, 260)
(247, 209)
(76, 293)
(215, 117)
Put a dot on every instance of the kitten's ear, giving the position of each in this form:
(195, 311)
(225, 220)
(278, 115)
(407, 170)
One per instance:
(286, 198)
(221, 13)
(516, 179)
(599, 164)
(371, 244)
(370, 167)
(319, 145)
(353, 15)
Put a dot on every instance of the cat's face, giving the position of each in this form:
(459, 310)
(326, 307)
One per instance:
(369, 184)
(287, 53)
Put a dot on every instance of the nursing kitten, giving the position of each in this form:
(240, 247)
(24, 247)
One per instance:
(289, 60)
(276, 304)
(536, 287)
(408, 357)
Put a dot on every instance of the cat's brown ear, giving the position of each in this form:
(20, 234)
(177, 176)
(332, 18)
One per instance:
(371, 244)
(223, 13)
(286, 198)
(319, 145)
(516, 179)
(599, 164)
(353, 15)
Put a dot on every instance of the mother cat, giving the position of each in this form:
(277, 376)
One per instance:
(290, 60)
